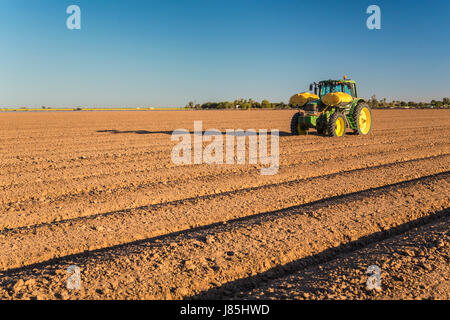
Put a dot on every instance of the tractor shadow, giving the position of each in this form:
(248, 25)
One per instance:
(210, 133)
(205, 133)
(316, 134)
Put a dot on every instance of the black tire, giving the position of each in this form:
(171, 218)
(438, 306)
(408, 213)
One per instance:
(336, 117)
(356, 115)
(294, 125)
(322, 128)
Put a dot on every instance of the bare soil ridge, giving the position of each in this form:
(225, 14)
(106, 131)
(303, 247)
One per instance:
(99, 190)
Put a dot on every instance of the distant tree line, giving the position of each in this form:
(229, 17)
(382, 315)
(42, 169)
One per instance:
(246, 104)
(382, 104)
(238, 104)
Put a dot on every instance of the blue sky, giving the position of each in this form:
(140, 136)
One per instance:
(166, 53)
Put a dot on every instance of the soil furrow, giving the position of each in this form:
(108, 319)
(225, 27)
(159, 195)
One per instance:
(46, 208)
(413, 265)
(189, 263)
(73, 236)
(81, 168)
(99, 190)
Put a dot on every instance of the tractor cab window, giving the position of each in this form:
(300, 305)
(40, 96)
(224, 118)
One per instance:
(355, 93)
(324, 90)
(337, 88)
(329, 88)
(348, 90)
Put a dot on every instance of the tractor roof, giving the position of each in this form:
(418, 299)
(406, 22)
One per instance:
(336, 81)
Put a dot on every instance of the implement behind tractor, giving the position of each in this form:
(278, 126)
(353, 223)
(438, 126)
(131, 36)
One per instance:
(332, 108)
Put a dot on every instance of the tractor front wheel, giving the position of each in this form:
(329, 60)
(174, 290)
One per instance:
(336, 125)
(362, 116)
(296, 129)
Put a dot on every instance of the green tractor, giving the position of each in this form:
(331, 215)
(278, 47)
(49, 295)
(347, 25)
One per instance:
(332, 108)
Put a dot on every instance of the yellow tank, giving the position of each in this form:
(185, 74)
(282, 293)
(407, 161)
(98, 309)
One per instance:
(337, 98)
(300, 99)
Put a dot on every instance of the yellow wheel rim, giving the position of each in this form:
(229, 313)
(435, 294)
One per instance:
(339, 127)
(365, 121)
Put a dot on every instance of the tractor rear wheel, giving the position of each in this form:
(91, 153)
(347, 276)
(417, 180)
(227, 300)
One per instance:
(336, 125)
(362, 116)
(296, 129)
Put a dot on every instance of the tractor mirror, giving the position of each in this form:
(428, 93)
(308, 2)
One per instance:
(310, 87)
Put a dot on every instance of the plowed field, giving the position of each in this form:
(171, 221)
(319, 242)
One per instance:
(99, 190)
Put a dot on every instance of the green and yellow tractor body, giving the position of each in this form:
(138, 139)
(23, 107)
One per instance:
(332, 108)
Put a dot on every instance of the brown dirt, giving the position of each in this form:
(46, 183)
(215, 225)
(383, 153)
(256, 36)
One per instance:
(413, 265)
(99, 190)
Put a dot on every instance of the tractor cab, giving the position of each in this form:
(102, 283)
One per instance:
(322, 88)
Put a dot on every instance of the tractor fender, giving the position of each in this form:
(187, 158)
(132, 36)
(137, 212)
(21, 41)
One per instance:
(355, 102)
(349, 118)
